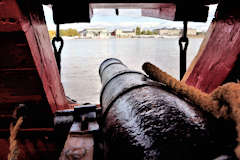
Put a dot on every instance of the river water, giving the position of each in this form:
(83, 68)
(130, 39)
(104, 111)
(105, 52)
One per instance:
(81, 59)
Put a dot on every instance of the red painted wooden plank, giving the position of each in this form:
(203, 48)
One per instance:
(34, 148)
(163, 12)
(20, 99)
(18, 86)
(33, 24)
(33, 45)
(14, 51)
(190, 12)
(9, 16)
(217, 55)
(130, 5)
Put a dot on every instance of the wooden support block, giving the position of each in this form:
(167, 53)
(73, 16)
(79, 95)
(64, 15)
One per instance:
(113, 2)
(14, 51)
(29, 132)
(78, 147)
(157, 10)
(37, 148)
(130, 5)
(9, 16)
(218, 52)
(42, 53)
(31, 48)
(166, 11)
(178, 12)
(19, 86)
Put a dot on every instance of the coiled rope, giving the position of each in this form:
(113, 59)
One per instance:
(224, 101)
(15, 152)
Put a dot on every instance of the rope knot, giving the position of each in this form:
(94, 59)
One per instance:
(227, 98)
(15, 151)
(223, 102)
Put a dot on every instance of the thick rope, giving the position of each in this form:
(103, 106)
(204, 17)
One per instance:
(15, 150)
(224, 101)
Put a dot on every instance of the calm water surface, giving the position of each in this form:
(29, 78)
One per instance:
(81, 59)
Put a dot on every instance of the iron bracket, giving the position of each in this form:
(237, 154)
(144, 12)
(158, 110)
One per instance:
(85, 119)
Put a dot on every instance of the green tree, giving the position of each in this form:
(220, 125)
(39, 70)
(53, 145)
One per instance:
(138, 30)
(155, 32)
(143, 32)
(149, 32)
(62, 32)
(52, 34)
(72, 32)
(69, 32)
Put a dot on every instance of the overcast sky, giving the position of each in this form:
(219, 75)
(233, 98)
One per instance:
(128, 19)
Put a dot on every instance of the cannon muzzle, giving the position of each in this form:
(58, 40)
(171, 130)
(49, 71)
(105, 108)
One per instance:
(143, 120)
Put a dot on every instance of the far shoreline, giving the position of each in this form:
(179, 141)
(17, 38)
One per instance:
(139, 37)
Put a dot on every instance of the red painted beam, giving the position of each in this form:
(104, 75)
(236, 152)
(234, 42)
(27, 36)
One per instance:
(130, 5)
(179, 12)
(27, 17)
(163, 12)
(42, 53)
(204, 2)
(38, 148)
(218, 53)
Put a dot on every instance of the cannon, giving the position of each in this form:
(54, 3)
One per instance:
(142, 119)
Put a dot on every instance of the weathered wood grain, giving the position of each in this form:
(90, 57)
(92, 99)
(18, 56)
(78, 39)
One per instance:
(178, 12)
(42, 53)
(40, 148)
(26, 44)
(9, 16)
(18, 86)
(205, 2)
(14, 51)
(131, 5)
(163, 12)
(217, 55)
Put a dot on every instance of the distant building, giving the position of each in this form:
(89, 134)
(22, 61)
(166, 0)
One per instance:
(191, 32)
(94, 33)
(123, 34)
(168, 32)
(174, 32)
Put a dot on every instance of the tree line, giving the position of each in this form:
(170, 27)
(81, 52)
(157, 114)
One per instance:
(145, 32)
(68, 32)
(73, 32)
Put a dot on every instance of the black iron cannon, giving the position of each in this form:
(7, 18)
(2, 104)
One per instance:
(143, 120)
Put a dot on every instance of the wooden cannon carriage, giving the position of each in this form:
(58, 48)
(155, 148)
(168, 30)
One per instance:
(29, 73)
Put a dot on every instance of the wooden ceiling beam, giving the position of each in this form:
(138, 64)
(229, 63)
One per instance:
(69, 12)
(204, 2)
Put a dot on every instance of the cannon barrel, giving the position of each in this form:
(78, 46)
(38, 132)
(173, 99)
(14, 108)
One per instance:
(143, 120)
